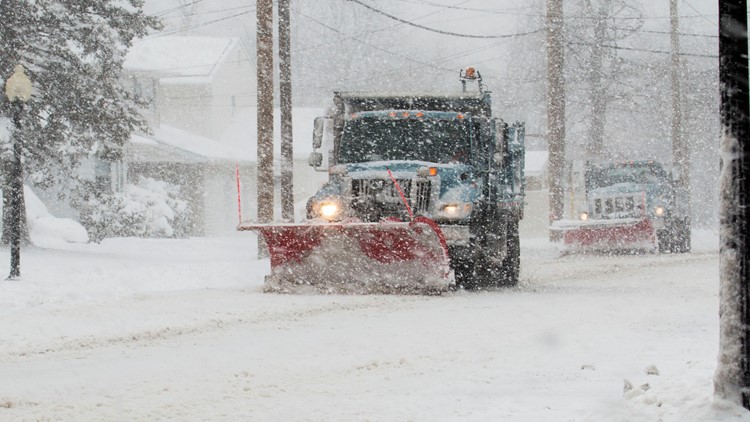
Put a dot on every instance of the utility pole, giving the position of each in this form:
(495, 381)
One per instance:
(264, 49)
(732, 378)
(556, 108)
(679, 149)
(285, 100)
(595, 145)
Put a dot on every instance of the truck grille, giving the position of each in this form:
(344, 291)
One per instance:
(374, 199)
(422, 197)
(380, 189)
(618, 207)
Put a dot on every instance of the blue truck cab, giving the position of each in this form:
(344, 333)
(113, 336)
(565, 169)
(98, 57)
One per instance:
(445, 157)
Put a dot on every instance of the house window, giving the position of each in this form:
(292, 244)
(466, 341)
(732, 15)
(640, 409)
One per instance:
(103, 175)
(110, 176)
(119, 171)
(137, 90)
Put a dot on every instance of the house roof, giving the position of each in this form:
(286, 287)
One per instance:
(170, 144)
(238, 143)
(184, 59)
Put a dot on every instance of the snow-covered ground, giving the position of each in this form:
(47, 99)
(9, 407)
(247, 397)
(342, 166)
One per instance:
(137, 329)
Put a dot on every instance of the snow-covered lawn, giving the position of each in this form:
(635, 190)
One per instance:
(136, 329)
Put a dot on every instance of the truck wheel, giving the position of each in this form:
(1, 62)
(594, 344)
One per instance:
(475, 272)
(664, 238)
(681, 240)
(463, 269)
(486, 273)
(511, 267)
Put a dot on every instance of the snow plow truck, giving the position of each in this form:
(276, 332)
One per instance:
(424, 193)
(631, 205)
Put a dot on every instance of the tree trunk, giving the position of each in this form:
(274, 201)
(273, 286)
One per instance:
(732, 378)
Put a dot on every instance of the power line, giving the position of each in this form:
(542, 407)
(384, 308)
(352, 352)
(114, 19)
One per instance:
(427, 28)
(543, 15)
(644, 31)
(645, 50)
(702, 15)
(475, 9)
(189, 28)
(174, 9)
(685, 34)
(372, 45)
(373, 31)
(207, 12)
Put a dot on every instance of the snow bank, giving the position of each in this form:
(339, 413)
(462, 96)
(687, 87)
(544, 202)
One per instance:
(47, 230)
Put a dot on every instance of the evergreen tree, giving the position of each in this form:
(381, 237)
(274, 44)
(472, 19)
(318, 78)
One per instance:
(73, 51)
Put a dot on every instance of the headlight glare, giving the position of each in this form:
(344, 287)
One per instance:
(329, 210)
(455, 210)
(659, 211)
(451, 209)
(584, 216)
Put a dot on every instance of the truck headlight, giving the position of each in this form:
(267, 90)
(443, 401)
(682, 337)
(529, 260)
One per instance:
(584, 216)
(456, 211)
(330, 210)
(659, 211)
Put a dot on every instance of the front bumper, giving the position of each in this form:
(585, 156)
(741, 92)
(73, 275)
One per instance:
(621, 233)
(456, 235)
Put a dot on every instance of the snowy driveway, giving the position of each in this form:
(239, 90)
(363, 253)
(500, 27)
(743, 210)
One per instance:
(179, 330)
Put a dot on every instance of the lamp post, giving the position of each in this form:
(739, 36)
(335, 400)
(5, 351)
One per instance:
(18, 91)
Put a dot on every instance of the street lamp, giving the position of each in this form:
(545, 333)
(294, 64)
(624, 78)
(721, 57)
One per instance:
(18, 91)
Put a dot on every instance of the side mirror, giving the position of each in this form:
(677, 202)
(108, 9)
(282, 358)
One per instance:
(501, 132)
(318, 132)
(316, 159)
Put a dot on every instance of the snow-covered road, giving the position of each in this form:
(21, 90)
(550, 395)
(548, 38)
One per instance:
(180, 330)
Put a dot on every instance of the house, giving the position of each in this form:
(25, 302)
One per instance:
(203, 121)
(536, 170)
(196, 83)
(208, 171)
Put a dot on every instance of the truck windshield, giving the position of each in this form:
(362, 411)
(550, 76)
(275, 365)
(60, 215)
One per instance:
(603, 177)
(437, 141)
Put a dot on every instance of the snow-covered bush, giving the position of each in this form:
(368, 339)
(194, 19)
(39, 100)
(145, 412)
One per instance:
(150, 208)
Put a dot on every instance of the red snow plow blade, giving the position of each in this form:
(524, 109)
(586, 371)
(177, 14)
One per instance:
(604, 235)
(355, 257)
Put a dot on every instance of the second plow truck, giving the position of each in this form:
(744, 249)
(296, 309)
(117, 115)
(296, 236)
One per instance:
(424, 192)
(631, 205)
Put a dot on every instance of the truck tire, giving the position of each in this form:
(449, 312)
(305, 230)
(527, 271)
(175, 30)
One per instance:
(681, 239)
(475, 271)
(664, 239)
(463, 269)
(489, 273)
(511, 268)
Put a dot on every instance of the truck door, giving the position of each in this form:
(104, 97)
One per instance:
(516, 159)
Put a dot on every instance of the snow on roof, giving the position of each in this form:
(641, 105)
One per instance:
(185, 59)
(535, 162)
(171, 144)
(238, 143)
